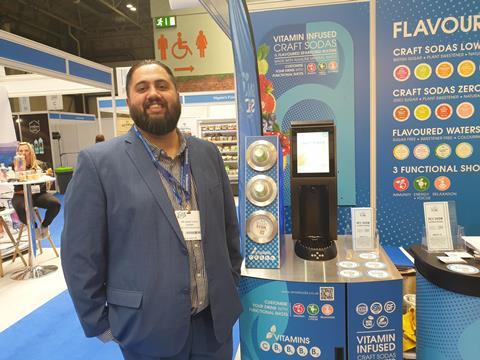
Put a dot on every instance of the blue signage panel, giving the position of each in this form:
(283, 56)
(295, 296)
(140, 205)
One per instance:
(24, 54)
(313, 64)
(283, 320)
(62, 116)
(247, 92)
(208, 98)
(428, 102)
(107, 104)
(90, 73)
(375, 320)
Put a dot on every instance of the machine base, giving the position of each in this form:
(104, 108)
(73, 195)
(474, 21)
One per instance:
(315, 248)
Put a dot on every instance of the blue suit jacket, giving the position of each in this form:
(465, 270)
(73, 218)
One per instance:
(124, 255)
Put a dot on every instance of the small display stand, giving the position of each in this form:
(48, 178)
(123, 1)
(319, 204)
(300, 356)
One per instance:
(448, 307)
(347, 307)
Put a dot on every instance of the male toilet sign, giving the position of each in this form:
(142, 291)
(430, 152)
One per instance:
(162, 45)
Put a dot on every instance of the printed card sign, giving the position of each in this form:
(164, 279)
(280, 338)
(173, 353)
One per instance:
(363, 233)
(437, 226)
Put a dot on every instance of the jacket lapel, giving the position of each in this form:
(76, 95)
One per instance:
(147, 170)
(200, 182)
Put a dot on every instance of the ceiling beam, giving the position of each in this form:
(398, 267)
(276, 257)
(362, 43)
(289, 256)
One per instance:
(48, 13)
(9, 15)
(114, 9)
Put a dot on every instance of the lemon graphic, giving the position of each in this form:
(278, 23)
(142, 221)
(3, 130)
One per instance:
(262, 66)
(422, 112)
(423, 71)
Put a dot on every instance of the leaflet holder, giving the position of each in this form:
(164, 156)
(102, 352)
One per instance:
(314, 189)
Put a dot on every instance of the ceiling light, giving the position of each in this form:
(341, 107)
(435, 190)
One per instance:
(129, 6)
(133, 8)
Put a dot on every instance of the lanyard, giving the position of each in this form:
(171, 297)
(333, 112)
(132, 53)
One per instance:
(184, 184)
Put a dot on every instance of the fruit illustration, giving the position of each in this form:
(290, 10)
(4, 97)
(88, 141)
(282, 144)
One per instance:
(269, 103)
(262, 66)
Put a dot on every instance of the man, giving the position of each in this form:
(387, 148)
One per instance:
(150, 247)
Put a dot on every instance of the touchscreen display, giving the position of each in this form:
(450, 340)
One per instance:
(312, 153)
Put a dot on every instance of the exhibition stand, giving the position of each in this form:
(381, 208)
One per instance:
(448, 303)
(346, 307)
(51, 72)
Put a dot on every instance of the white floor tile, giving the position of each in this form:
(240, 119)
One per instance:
(19, 298)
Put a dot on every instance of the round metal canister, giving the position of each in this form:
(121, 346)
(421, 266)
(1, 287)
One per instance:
(261, 226)
(261, 155)
(261, 190)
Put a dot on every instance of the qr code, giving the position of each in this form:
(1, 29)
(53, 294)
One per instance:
(327, 293)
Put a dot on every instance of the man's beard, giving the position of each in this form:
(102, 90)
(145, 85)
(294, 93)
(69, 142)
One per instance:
(157, 124)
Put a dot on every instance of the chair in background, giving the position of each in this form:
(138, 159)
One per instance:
(39, 240)
(16, 248)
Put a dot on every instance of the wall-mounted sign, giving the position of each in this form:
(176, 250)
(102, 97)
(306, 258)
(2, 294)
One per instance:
(24, 104)
(54, 102)
(163, 22)
(194, 46)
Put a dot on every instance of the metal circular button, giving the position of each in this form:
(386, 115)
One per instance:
(261, 226)
(261, 155)
(261, 190)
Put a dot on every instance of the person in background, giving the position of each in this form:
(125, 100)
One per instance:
(150, 247)
(99, 138)
(41, 198)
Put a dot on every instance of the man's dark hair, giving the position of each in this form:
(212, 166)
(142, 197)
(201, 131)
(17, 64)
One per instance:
(99, 138)
(149, 62)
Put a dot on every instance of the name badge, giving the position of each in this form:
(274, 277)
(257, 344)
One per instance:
(35, 189)
(189, 222)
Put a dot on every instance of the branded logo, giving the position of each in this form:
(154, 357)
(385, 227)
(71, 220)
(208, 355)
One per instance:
(322, 66)
(288, 344)
(289, 349)
(332, 66)
(401, 73)
(421, 183)
(376, 308)
(327, 309)
(302, 351)
(401, 183)
(442, 183)
(277, 348)
(382, 321)
(361, 309)
(313, 309)
(315, 352)
(298, 308)
(389, 307)
(265, 346)
(311, 67)
(368, 322)
(34, 126)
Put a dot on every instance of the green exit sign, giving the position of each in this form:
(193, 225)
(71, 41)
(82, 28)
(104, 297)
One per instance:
(163, 22)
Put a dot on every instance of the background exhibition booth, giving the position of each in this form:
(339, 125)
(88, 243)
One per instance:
(352, 141)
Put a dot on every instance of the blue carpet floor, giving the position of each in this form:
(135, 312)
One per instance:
(53, 331)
